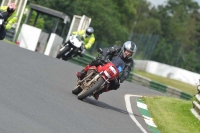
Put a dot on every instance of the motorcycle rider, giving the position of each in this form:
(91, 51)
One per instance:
(88, 38)
(12, 18)
(125, 52)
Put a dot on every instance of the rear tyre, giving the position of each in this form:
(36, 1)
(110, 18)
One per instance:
(65, 58)
(86, 93)
(76, 90)
(61, 53)
(2, 32)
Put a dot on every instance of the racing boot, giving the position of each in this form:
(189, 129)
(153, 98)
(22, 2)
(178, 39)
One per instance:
(80, 75)
(96, 95)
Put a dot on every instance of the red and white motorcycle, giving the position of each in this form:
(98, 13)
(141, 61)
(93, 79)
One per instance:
(98, 77)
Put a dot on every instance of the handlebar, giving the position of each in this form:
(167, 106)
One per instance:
(102, 61)
(3, 15)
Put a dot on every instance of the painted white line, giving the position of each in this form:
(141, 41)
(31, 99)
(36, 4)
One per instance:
(149, 121)
(130, 112)
(142, 105)
(148, 118)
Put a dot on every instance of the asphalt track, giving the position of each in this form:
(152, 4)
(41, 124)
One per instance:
(35, 97)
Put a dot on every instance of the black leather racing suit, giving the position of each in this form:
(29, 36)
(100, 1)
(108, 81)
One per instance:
(110, 53)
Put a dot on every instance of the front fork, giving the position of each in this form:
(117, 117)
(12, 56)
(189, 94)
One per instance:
(71, 49)
(104, 88)
(68, 51)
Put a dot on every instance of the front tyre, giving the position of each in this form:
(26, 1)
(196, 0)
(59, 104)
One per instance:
(62, 52)
(86, 93)
(76, 90)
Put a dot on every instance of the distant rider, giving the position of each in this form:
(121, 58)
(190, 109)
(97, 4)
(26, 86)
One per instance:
(88, 38)
(12, 18)
(125, 52)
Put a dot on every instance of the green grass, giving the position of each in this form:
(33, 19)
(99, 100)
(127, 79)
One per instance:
(169, 82)
(172, 115)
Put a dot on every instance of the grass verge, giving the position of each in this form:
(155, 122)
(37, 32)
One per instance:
(169, 82)
(172, 115)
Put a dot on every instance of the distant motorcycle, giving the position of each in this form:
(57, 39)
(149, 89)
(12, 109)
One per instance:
(3, 18)
(71, 48)
(97, 78)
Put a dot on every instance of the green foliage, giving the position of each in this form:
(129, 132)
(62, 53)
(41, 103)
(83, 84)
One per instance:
(40, 23)
(127, 10)
(181, 20)
(163, 51)
(105, 20)
(180, 26)
(148, 26)
(145, 22)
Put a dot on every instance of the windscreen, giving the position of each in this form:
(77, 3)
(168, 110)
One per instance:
(79, 37)
(118, 62)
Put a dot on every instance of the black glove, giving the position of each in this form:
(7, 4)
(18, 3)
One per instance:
(81, 51)
(103, 58)
(115, 85)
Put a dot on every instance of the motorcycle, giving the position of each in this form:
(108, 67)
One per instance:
(98, 77)
(71, 48)
(3, 18)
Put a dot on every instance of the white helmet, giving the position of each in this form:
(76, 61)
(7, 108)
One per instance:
(130, 47)
(89, 31)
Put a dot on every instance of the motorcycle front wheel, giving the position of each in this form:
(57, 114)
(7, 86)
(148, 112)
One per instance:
(76, 90)
(62, 52)
(86, 93)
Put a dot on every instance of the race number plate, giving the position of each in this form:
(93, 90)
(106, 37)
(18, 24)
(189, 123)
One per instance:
(113, 70)
(1, 21)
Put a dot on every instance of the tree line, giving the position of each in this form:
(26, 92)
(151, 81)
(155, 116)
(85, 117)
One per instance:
(175, 26)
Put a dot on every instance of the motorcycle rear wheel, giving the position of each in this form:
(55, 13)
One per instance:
(85, 93)
(62, 53)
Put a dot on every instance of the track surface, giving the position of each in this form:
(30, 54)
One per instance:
(35, 97)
